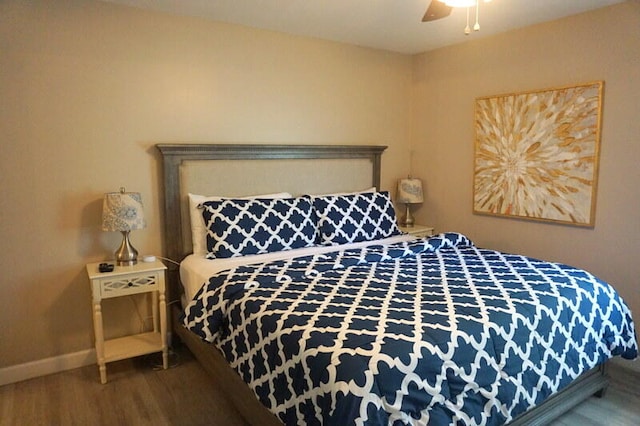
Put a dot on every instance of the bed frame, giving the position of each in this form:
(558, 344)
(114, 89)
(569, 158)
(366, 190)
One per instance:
(176, 158)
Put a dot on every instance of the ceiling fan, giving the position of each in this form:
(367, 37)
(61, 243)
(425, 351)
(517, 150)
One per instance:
(436, 10)
(439, 9)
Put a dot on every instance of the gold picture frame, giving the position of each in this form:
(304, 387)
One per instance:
(537, 154)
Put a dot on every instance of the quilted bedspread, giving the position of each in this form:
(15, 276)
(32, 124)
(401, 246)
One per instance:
(434, 331)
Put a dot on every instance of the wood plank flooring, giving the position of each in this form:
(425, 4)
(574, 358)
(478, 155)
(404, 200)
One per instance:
(620, 405)
(135, 394)
(138, 394)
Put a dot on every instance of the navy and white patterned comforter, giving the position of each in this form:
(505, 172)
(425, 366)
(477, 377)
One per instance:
(434, 331)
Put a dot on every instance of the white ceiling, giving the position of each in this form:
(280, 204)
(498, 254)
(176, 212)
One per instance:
(393, 25)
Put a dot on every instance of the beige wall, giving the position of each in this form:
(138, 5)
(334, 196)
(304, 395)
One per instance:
(601, 45)
(87, 88)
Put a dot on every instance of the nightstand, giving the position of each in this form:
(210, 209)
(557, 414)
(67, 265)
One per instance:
(143, 277)
(420, 231)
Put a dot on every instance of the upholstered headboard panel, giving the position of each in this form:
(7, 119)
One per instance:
(240, 170)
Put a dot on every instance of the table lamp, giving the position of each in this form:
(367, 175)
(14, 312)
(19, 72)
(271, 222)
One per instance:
(409, 192)
(122, 211)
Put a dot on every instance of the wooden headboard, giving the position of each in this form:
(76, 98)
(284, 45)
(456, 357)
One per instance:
(239, 170)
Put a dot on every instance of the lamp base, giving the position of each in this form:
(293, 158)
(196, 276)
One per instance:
(126, 255)
(408, 220)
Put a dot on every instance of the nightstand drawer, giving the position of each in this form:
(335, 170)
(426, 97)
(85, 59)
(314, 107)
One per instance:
(418, 231)
(123, 285)
(422, 234)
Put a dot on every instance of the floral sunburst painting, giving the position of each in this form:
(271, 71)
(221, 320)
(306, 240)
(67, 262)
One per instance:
(536, 154)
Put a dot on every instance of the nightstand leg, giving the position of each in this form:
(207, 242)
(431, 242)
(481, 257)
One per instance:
(163, 329)
(97, 328)
(103, 373)
(154, 310)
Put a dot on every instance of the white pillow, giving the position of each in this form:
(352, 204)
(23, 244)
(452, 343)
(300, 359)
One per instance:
(198, 227)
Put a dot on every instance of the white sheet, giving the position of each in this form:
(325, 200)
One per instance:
(195, 270)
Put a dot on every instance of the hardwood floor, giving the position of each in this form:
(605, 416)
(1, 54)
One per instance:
(620, 405)
(137, 394)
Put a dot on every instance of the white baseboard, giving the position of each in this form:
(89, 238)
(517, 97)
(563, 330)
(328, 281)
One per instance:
(43, 367)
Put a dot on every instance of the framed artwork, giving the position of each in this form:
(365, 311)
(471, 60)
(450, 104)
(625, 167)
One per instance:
(536, 154)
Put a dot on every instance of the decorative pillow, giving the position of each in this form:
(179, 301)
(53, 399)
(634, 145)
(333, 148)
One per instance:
(352, 218)
(198, 228)
(242, 227)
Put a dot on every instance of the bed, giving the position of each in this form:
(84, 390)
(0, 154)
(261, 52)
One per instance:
(238, 293)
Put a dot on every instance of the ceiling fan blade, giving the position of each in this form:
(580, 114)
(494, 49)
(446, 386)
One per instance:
(436, 10)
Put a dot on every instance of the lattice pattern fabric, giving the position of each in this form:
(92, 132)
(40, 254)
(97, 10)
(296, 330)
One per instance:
(239, 227)
(353, 218)
(433, 331)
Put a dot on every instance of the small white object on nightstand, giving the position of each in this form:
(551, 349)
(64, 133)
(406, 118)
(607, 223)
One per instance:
(419, 231)
(125, 281)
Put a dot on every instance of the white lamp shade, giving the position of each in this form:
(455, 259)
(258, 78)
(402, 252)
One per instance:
(410, 191)
(122, 211)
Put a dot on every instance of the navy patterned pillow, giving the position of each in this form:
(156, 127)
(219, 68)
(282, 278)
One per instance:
(352, 218)
(257, 226)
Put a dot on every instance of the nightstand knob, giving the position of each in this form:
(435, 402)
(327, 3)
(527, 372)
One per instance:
(130, 284)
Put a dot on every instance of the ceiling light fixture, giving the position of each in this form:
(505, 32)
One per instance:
(468, 4)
